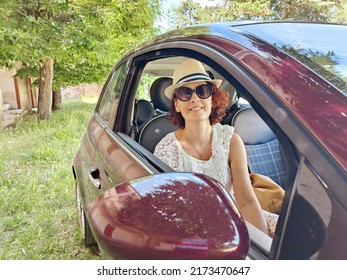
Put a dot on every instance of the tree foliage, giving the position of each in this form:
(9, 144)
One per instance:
(102, 32)
(309, 10)
(190, 12)
(83, 37)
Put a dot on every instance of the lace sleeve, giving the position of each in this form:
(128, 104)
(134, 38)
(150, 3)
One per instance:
(168, 152)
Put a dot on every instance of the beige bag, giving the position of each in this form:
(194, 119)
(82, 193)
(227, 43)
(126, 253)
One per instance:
(268, 192)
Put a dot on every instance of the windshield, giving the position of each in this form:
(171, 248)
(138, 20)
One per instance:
(322, 47)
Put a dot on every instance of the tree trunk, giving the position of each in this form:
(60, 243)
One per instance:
(45, 89)
(56, 99)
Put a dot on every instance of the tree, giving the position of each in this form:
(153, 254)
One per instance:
(339, 12)
(309, 10)
(190, 12)
(45, 89)
(83, 37)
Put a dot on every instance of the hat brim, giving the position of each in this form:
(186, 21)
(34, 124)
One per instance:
(170, 90)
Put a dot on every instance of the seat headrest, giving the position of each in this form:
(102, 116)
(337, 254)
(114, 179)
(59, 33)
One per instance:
(251, 128)
(144, 111)
(159, 99)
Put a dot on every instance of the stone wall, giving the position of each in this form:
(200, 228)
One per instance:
(81, 90)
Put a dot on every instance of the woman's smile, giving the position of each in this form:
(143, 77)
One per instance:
(196, 108)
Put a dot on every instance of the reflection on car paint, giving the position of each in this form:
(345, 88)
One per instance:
(170, 216)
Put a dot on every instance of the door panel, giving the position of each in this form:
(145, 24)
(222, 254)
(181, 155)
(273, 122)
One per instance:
(87, 155)
(314, 229)
(115, 163)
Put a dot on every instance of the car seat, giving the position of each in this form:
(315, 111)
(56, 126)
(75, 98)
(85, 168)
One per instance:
(262, 147)
(144, 111)
(158, 127)
(161, 103)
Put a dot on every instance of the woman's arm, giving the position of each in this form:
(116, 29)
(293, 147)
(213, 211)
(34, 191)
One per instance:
(245, 197)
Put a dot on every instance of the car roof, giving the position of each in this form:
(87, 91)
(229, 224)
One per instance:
(318, 103)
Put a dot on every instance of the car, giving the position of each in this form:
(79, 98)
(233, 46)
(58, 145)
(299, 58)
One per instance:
(287, 85)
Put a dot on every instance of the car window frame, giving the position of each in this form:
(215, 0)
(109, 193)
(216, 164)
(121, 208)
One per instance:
(111, 93)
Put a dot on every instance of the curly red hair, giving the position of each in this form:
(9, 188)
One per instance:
(220, 103)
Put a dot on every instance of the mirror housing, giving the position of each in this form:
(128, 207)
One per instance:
(169, 216)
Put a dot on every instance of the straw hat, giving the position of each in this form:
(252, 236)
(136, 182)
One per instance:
(189, 71)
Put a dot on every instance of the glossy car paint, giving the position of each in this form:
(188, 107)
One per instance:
(84, 158)
(169, 216)
(307, 113)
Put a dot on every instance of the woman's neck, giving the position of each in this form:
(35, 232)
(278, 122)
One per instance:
(198, 133)
(196, 140)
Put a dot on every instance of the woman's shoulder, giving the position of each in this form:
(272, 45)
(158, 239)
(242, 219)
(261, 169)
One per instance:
(165, 142)
(221, 137)
(223, 129)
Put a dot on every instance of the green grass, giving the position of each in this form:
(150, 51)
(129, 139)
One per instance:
(38, 218)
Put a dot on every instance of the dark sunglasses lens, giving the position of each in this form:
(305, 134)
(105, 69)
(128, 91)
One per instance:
(204, 91)
(184, 93)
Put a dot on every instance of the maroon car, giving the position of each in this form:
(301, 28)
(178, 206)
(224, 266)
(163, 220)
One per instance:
(287, 85)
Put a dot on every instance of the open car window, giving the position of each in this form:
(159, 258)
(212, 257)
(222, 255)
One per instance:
(162, 69)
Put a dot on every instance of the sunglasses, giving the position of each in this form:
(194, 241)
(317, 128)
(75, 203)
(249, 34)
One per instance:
(203, 91)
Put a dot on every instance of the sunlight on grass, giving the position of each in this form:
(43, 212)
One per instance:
(37, 195)
(90, 99)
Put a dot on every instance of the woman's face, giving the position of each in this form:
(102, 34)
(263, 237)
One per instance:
(195, 109)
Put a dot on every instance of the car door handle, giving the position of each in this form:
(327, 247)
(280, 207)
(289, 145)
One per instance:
(94, 177)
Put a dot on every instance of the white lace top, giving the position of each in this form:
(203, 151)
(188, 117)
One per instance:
(170, 151)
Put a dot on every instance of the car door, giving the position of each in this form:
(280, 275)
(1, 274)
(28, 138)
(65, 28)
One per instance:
(115, 160)
(96, 177)
(315, 226)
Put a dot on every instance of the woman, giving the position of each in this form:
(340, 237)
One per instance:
(202, 144)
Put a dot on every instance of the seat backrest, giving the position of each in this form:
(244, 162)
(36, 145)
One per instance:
(262, 146)
(158, 127)
(154, 130)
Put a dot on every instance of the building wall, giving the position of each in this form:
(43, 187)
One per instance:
(16, 92)
(8, 88)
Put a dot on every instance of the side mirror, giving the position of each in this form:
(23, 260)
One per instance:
(169, 216)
